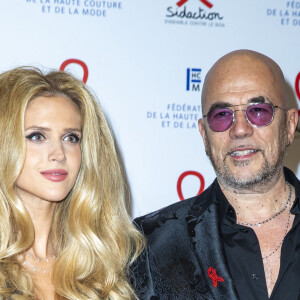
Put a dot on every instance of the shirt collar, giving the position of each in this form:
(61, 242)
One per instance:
(291, 178)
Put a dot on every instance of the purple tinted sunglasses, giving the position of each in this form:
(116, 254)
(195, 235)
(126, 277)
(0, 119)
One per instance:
(257, 114)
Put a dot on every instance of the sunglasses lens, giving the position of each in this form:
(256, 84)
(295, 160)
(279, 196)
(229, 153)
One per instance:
(220, 119)
(260, 114)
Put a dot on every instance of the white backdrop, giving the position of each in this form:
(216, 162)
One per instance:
(146, 61)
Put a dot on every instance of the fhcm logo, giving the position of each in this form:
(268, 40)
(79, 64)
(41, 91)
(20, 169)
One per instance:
(193, 79)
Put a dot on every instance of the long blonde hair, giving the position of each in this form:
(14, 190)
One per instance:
(91, 232)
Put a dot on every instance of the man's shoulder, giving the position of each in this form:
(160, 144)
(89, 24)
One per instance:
(178, 211)
(181, 207)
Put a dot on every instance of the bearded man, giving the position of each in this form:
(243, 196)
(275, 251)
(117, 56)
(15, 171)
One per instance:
(240, 239)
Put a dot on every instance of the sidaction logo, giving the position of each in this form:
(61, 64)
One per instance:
(188, 14)
(185, 174)
(208, 4)
(78, 62)
(297, 88)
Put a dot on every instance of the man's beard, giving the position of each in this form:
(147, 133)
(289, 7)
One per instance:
(268, 171)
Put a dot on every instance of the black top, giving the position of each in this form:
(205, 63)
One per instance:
(244, 256)
(196, 251)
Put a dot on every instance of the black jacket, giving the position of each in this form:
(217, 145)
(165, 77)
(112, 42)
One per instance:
(185, 258)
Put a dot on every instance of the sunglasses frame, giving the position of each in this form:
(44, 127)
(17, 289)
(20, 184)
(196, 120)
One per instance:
(244, 110)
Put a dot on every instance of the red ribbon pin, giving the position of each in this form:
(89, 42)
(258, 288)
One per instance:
(212, 274)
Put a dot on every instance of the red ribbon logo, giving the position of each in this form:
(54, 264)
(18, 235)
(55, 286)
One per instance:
(297, 88)
(212, 274)
(78, 62)
(182, 176)
(205, 2)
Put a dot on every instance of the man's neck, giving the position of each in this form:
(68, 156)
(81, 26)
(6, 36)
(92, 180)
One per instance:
(258, 202)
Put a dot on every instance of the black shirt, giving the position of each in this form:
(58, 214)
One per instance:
(244, 256)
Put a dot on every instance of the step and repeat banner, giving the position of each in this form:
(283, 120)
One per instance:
(146, 61)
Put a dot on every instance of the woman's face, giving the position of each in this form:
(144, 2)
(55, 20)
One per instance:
(53, 155)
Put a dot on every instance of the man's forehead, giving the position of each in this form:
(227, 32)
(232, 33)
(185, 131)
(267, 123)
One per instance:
(242, 74)
(236, 71)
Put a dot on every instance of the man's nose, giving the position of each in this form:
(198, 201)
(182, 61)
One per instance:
(240, 128)
(57, 152)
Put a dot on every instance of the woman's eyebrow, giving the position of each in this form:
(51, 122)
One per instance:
(72, 129)
(38, 128)
(34, 127)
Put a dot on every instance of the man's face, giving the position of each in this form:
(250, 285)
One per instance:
(244, 155)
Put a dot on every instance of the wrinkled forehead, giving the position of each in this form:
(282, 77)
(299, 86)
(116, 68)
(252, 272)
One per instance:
(237, 79)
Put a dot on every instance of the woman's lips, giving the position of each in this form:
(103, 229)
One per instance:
(56, 175)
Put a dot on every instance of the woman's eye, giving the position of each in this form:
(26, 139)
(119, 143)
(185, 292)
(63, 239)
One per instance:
(35, 137)
(72, 138)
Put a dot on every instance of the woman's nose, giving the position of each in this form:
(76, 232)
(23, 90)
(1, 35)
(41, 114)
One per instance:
(56, 152)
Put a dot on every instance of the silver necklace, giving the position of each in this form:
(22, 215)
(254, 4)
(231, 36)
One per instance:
(286, 230)
(32, 266)
(275, 215)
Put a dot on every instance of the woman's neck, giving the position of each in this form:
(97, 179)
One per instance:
(41, 213)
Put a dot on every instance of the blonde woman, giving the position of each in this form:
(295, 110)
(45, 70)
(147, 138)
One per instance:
(64, 230)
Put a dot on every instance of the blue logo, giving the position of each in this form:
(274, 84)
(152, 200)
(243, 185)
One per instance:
(288, 13)
(193, 79)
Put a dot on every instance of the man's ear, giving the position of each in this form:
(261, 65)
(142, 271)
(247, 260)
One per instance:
(202, 130)
(292, 122)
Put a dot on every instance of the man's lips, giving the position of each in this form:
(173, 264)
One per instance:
(55, 175)
(242, 153)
